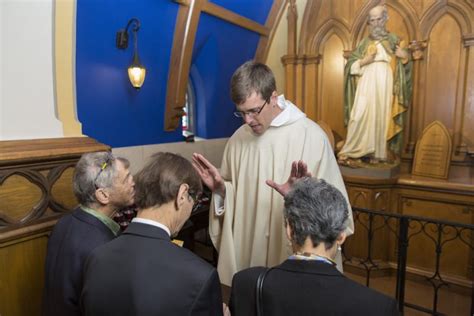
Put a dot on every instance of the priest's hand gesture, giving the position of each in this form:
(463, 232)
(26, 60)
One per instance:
(299, 169)
(209, 174)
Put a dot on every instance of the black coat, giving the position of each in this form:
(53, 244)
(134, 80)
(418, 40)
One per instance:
(306, 287)
(72, 240)
(143, 273)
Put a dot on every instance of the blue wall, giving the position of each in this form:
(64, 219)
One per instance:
(114, 113)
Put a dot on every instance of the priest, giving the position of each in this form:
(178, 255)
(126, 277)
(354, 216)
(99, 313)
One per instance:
(246, 220)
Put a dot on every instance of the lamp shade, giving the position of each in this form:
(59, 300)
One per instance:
(136, 76)
(136, 73)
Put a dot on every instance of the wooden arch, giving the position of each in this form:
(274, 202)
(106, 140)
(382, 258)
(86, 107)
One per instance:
(329, 28)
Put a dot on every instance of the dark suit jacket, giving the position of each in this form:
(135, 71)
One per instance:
(300, 287)
(143, 273)
(72, 240)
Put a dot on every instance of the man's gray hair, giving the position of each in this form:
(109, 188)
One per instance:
(315, 209)
(93, 171)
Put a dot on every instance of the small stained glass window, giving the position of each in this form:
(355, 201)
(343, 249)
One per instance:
(187, 120)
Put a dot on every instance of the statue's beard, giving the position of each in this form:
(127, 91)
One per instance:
(378, 32)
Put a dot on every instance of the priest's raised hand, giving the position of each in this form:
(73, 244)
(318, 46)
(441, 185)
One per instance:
(209, 174)
(299, 169)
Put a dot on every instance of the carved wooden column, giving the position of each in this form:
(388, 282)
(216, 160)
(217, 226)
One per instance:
(310, 84)
(292, 17)
(463, 121)
(299, 81)
(289, 59)
(289, 65)
(413, 122)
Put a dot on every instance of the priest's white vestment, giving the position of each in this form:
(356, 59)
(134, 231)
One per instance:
(250, 231)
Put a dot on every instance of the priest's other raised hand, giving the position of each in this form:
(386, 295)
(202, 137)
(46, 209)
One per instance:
(299, 169)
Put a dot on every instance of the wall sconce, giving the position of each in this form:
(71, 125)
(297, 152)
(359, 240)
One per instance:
(136, 71)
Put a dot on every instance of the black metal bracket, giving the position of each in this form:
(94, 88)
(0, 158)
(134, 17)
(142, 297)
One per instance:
(121, 40)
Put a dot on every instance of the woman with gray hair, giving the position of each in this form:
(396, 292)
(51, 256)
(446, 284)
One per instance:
(308, 283)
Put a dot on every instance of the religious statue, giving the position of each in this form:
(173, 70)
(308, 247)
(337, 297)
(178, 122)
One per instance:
(377, 91)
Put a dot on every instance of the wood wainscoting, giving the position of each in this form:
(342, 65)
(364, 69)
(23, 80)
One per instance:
(446, 200)
(35, 191)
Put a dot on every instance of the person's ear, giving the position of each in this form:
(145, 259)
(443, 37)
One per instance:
(274, 98)
(102, 196)
(182, 195)
(288, 230)
(341, 238)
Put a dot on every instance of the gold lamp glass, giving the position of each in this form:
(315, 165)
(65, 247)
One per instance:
(136, 71)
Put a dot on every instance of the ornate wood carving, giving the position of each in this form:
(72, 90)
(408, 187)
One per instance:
(33, 176)
(23, 234)
(53, 176)
(440, 34)
(41, 162)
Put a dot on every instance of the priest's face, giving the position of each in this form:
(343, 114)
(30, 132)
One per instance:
(258, 113)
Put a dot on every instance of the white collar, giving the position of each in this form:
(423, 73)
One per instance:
(151, 222)
(290, 113)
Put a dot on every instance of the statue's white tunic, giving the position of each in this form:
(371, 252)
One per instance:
(372, 109)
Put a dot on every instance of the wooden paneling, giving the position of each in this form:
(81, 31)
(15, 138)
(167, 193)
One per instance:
(442, 69)
(331, 85)
(310, 93)
(421, 252)
(61, 190)
(418, 196)
(440, 34)
(468, 113)
(347, 10)
(22, 276)
(35, 191)
(18, 197)
(370, 196)
(421, 6)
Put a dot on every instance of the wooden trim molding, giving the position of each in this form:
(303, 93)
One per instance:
(180, 63)
(468, 40)
(273, 19)
(14, 151)
(234, 18)
(227, 15)
(181, 52)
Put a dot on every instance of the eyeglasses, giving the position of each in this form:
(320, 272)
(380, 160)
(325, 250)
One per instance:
(194, 195)
(103, 166)
(252, 112)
